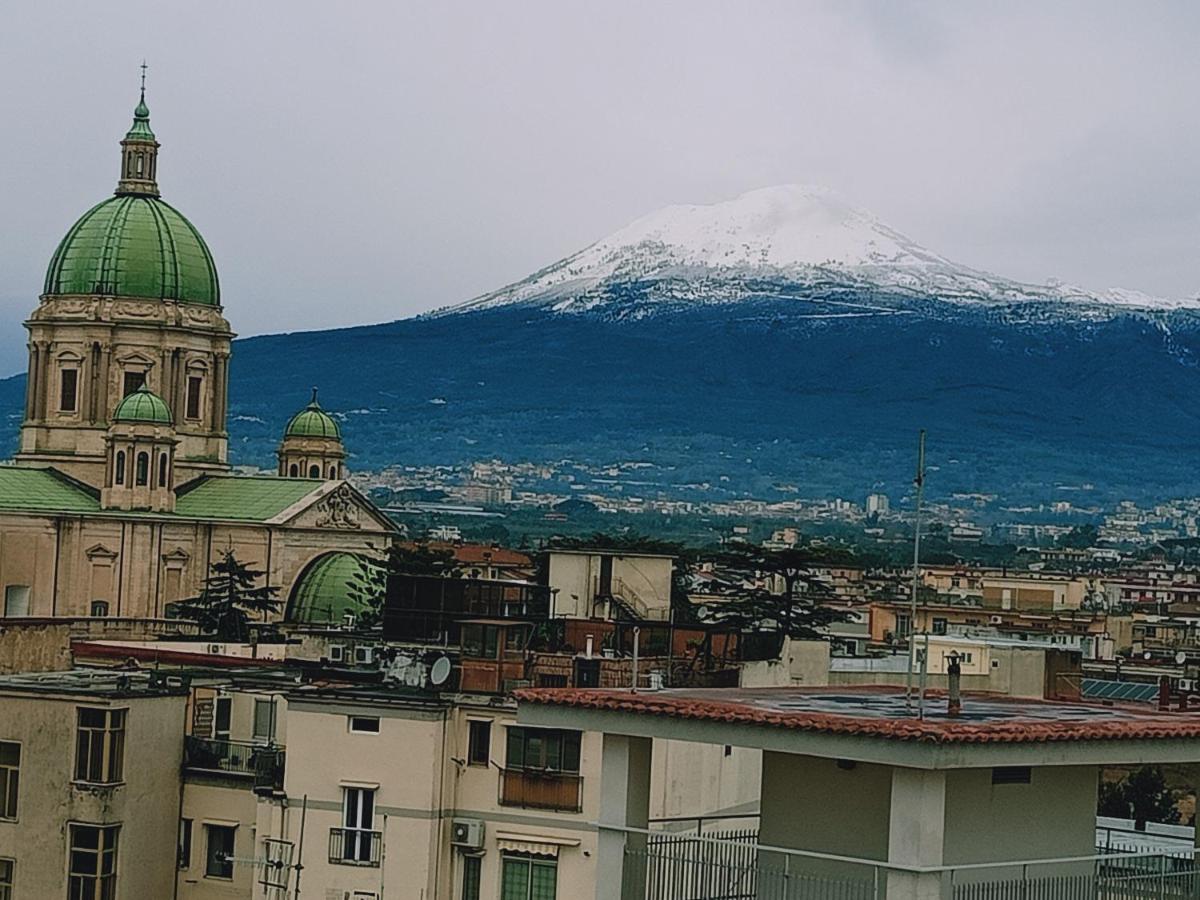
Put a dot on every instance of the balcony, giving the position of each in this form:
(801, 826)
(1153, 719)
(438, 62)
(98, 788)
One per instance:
(731, 865)
(262, 764)
(541, 789)
(355, 847)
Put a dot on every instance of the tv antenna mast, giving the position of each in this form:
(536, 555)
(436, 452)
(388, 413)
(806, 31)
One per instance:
(919, 481)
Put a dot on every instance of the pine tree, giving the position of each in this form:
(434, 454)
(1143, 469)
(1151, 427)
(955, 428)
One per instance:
(368, 586)
(230, 596)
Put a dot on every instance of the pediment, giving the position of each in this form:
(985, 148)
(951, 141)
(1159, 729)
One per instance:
(336, 506)
(100, 553)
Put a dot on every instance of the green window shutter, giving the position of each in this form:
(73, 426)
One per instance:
(543, 880)
(514, 880)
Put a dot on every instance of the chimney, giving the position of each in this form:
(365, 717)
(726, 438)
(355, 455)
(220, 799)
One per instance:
(954, 686)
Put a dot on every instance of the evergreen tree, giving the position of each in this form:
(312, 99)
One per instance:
(368, 587)
(1142, 795)
(231, 594)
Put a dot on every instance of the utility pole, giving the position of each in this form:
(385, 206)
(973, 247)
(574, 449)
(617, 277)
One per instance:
(919, 481)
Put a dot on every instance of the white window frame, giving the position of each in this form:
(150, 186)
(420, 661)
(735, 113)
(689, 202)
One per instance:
(350, 719)
(10, 787)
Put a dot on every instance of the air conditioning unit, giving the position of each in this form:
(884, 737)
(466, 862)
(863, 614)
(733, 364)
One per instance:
(997, 620)
(364, 655)
(1187, 684)
(337, 653)
(467, 833)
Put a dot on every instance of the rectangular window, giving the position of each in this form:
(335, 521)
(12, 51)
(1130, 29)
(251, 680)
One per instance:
(10, 776)
(192, 407)
(219, 851)
(358, 817)
(222, 718)
(1011, 775)
(16, 600)
(479, 744)
(939, 626)
(6, 879)
(264, 721)
(133, 381)
(528, 878)
(185, 843)
(543, 748)
(92, 863)
(472, 875)
(364, 724)
(68, 390)
(100, 745)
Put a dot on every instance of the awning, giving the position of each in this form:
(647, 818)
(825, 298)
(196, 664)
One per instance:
(533, 844)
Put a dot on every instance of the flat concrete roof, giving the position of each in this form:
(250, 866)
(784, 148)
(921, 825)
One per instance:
(872, 724)
(107, 683)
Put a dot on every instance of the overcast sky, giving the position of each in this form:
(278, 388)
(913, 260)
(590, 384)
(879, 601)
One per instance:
(365, 161)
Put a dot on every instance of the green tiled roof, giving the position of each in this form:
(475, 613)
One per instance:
(324, 592)
(143, 405)
(251, 498)
(43, 490)
(134, 245)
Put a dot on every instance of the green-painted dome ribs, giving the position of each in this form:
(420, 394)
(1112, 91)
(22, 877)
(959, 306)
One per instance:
(143, 405)
(329, 586)
(312, 421)
(135, 246)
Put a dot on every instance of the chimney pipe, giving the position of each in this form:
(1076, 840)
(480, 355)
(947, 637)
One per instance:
(954, 686)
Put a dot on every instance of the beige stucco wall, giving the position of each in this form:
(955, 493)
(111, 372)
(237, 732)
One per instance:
(146, 805)
(140, 565)
(34, 647)
(645, 581)
(1018, 673)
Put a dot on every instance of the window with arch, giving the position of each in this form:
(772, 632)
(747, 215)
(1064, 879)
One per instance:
(133, 380)
(128, 165)
(141, 163)
(314, 471)
(192, 405)
(162, 470)
(294, 471)
(119, 467)
(68, 389)
(143, 469)
(332, 472)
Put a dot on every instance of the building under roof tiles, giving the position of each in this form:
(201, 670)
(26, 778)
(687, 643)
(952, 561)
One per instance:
(121, 496)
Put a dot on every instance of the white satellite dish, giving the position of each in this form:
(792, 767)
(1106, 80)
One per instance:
(1180, 657)
(1147, 655)
(439, 672)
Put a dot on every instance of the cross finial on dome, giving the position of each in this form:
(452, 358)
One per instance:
(144, 67)
(313, 401)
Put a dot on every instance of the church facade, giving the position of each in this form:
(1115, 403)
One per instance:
(121, 496)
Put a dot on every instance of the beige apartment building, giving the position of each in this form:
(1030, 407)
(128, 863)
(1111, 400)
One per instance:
(590, 583)
(89, 784)
(406, 793)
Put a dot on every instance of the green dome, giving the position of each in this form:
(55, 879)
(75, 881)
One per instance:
(312, 421)
(143, 405)
(134, 245)
(325, 591)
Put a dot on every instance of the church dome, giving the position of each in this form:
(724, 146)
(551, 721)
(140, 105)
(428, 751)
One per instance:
(330, 587)
(312, 421)
(143, 405)
(135, 245)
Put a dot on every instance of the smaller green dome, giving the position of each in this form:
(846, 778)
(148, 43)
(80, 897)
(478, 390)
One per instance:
(143, 405)
(140, 130)
(312, 421)
(330, 587)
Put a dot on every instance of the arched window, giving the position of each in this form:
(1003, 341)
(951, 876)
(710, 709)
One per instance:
(143, 469)
(314, 471)
(141, 163)
(294, 471)
(162, 470)
(119, 475)
(129, 165)
(332, 472)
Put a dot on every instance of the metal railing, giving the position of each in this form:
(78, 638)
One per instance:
(355, 847)
(541, 789)
(263, 763)
(733, 866)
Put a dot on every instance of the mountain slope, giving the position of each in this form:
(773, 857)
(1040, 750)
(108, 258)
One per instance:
(781, 339)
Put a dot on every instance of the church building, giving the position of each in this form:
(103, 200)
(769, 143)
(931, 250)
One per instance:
(120, 496)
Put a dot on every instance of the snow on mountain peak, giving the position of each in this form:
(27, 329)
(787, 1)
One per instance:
(800, 233)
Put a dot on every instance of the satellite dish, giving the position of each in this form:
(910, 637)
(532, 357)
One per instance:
(439, 672)
(1180, 657)
(1147, 655)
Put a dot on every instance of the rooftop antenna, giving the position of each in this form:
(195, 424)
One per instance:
(919, 481)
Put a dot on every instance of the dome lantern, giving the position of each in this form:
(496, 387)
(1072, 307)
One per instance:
(139, 153)
(312, 445)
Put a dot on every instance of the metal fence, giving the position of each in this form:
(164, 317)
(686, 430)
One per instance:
(731, 865)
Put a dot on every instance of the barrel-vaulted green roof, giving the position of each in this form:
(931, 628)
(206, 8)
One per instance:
(143, 405)
(330, 587)
(135, 245)
(312, 421)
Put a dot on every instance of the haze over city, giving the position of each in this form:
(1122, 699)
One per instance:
(370, 162)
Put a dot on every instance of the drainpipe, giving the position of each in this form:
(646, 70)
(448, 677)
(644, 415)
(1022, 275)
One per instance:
(636, 635)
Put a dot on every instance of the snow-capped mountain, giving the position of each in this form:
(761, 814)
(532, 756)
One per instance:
(805, 237)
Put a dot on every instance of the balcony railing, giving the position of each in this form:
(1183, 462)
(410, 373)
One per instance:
(731, 865)
(355, 847)
(541, 789)
(262, 763)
